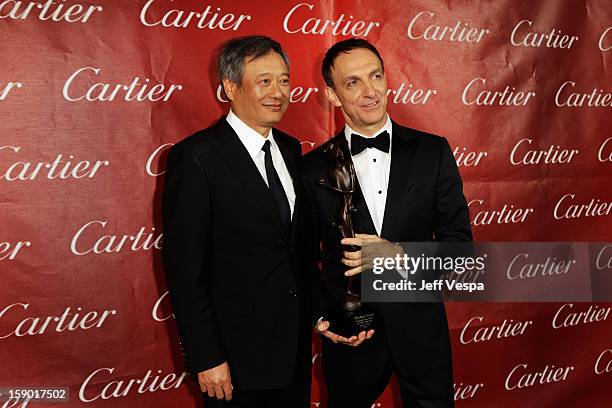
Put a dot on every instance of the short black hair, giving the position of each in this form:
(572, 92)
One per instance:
(345, 46)
(234, 52)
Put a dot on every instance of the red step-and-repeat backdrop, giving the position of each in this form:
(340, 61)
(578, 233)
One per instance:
(93, 92)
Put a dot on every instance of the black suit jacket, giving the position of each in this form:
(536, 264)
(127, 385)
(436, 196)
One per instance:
(237, 279)
(425, 202)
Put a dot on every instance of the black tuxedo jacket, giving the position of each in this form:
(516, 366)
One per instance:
(237, 278)
(425, 202)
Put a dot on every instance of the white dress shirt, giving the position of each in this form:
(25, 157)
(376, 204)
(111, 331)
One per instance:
(372, 167)
(253, 142)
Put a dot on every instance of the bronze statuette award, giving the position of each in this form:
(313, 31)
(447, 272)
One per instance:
(350, 317)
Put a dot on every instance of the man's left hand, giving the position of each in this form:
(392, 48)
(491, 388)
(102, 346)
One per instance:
(356, 261)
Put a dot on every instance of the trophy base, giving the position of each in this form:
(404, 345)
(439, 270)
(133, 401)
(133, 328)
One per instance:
(351, 323)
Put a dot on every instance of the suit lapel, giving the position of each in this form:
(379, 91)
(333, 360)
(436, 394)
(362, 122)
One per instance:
(403, 144)
(292, 167)
(241, 164)
(362, 220)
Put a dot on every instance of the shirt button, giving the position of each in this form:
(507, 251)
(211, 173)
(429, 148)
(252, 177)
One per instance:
(374, 160)
(379, 191)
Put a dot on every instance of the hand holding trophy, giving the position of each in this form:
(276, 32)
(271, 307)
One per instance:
(351, 317)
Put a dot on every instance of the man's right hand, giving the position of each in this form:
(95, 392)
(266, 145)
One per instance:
(323, 326)
(216, 382)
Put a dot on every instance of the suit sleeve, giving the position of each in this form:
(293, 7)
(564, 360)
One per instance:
(186, 221)
(319, 308)
(452, 221)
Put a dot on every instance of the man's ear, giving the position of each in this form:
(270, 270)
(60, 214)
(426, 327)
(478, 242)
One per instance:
(230, 88)
(333, 98)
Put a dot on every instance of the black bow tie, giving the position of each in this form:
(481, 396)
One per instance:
(360, 143)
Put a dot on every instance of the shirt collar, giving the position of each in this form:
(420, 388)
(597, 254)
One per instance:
(388, 126)
(250, 138)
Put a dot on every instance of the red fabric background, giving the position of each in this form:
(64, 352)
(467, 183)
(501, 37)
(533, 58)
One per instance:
(47, 267)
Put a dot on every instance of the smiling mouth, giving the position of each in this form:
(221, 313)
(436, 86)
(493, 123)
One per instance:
(371, 106)
(274, 107)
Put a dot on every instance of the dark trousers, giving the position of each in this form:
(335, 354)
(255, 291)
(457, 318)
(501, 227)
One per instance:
(295, 394)
(356, 376)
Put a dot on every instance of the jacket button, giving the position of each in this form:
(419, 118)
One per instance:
(293, 293)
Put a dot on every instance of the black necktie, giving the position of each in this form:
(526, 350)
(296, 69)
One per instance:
(276, 187)
(360, 143)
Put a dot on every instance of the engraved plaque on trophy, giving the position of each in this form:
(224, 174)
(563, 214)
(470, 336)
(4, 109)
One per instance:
(351, 316)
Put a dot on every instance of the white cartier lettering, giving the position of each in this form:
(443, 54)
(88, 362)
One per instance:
(527, 270)
(156, 312)
(517, 378)
(61, 167)
(140, 89)
(406, 95)
(467, 391)
(508, 97)
(602, 39)
(313, 25)
(309, 143)
(522, 36)
(604, 258)
(507, 328)
(141, 241)
(595, 208)
(207, 18)
(605, 151)
(565, 317)
(6, 89)
(49, 10)
(10, 250)
(421, 27)
(521, 154)
(507, 215)
(595, 98)
(603, 364)
(150, 382)
(70, 320)
(16, 403)
(466, 158)
(154, 158)
(300, 94)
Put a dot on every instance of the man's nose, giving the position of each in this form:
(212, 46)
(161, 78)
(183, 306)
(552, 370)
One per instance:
(368, 90)
(275, 90)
